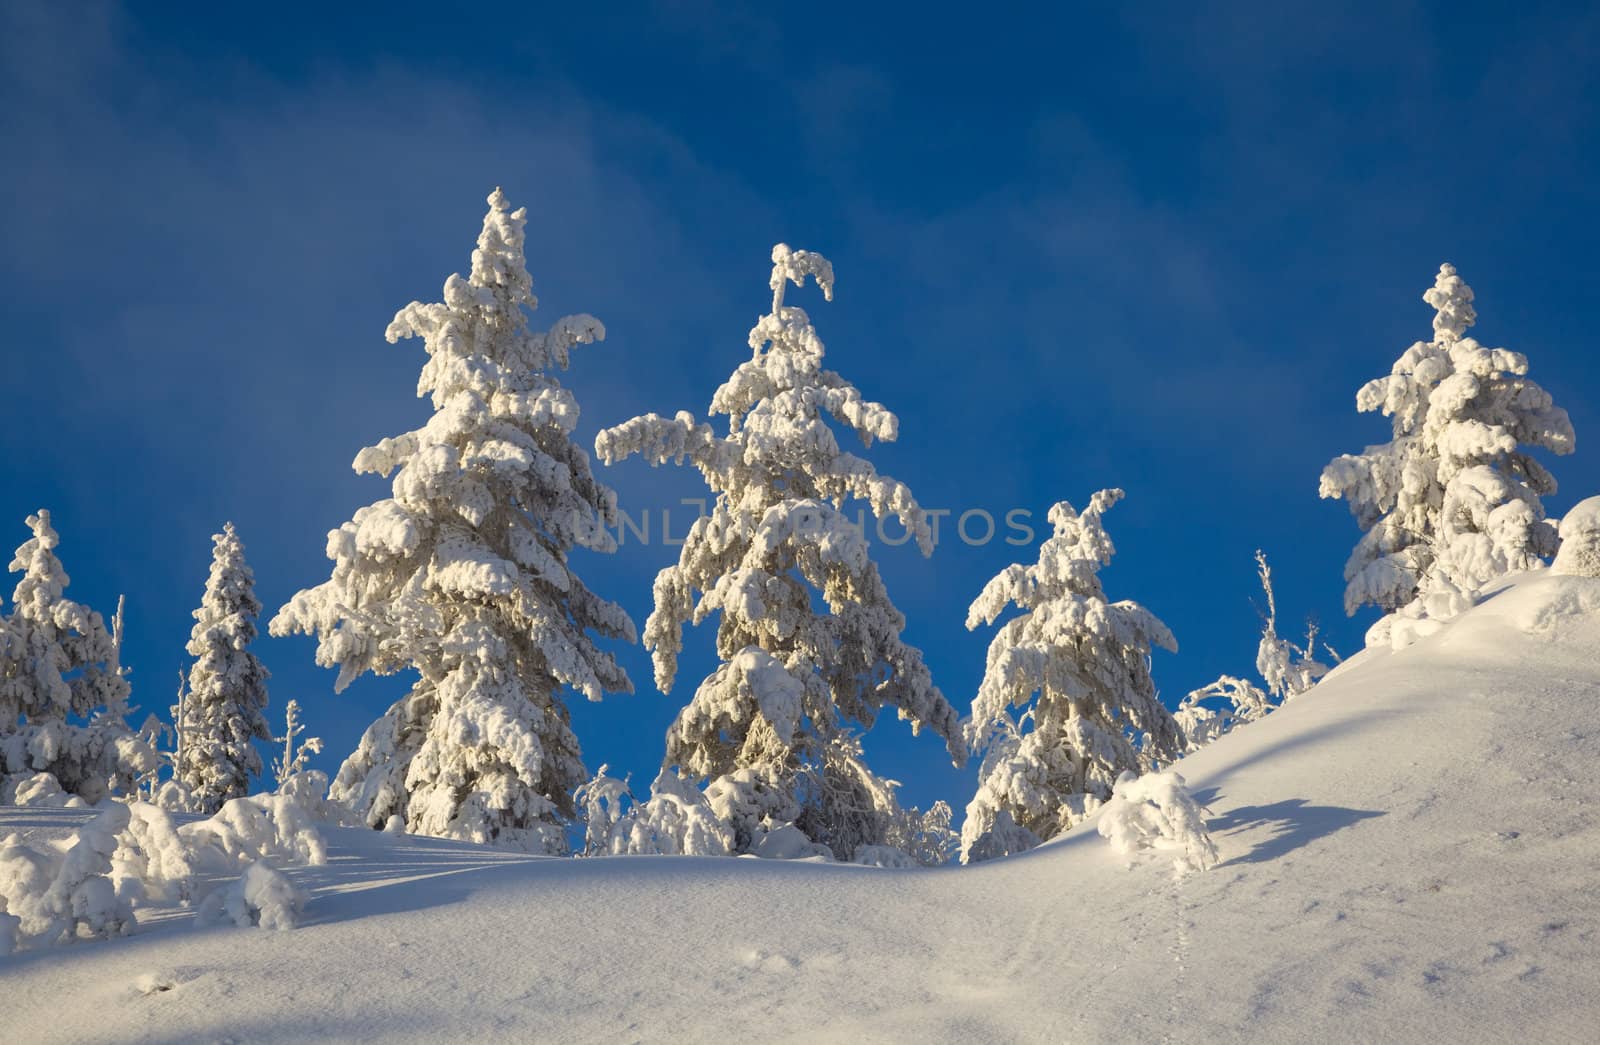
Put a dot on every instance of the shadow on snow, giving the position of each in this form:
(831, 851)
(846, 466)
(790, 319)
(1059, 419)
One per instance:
(1293, 822)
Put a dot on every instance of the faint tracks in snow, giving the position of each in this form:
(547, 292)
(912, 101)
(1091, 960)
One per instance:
(1029, 950)
(1177, 1000)
(1157, 931)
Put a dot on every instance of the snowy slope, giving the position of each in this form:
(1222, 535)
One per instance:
(1410, 851)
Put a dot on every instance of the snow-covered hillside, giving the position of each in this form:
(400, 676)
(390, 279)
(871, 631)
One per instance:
(1410, 852)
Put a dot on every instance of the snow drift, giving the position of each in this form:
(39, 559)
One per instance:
(1406, 852)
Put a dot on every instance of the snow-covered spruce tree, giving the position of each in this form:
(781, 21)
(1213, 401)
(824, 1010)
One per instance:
(63, 695)
(463, 574)
(1451, 501)
(771, 731)
(1079, 668)
(224, 711)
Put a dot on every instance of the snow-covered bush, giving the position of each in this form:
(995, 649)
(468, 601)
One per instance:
(260, 827)
(1079, 667)
(308, 789)
(784, 841)
(167, 791)
(809, 641)
(63, 695)
(885, 856)
(132, 854)
(296, 754)
(1155, 812)
(25, 878)
(1580, 541)
(262, 897)
(1004, 837)
(926, 837)
(1287, 670)
(675, 821)
(1217, 707)
(62, 896)
(152, 860)
(1451, 502)
(159, 737)
(172, 796)
(603, 803)
(224, 709)
(679, 819)
(41, 790)
(462, 575)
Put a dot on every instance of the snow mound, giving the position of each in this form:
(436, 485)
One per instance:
(261, 896)
(40, 790)
(1580, 541)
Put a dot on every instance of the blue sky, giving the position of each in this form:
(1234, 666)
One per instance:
(1157, 248)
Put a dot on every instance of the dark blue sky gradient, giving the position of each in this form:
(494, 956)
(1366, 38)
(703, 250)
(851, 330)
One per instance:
(1159, 249)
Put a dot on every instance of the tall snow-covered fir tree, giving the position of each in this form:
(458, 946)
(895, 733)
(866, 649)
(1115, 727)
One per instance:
(63, 695)
(463, 573)
(224, 710)
(1079, 668)
(1451, 501)
(772, 731)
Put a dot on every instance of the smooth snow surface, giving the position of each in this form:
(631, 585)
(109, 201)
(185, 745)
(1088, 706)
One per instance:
(1408, 853)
